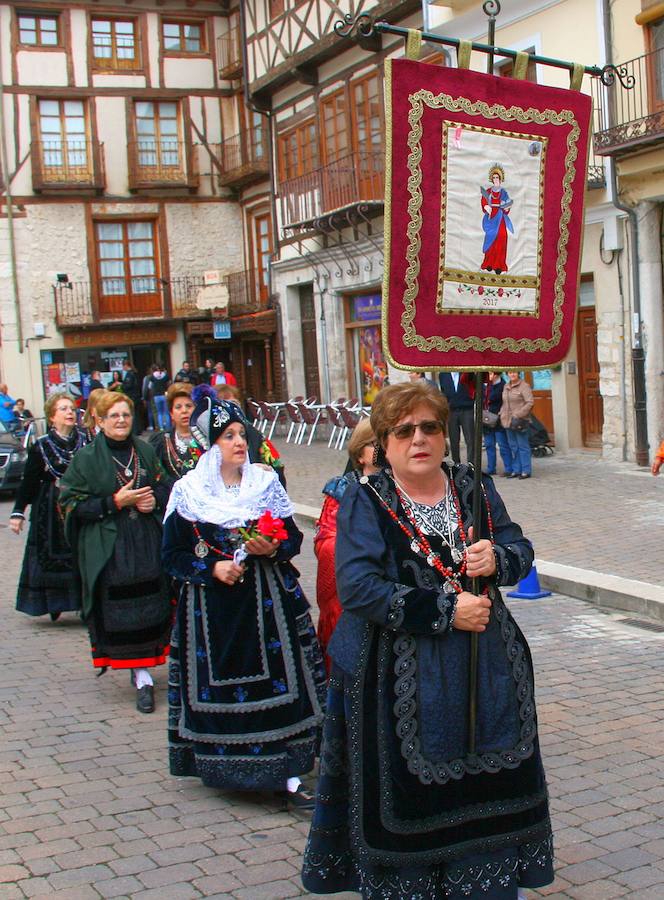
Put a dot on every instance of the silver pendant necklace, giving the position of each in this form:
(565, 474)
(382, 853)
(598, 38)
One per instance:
(457, 555)
(128, 471)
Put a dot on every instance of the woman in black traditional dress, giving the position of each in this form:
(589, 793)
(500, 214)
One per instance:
(246, 677)
(47, 584)
(114, 495)
(177, 449)
(406, 809)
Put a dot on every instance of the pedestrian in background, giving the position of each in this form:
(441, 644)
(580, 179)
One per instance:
(96, 384)
(494, 435)
(158, 385)
(7, 404)
(186, 374)
(658, 460)
(416, 377)
(47, 584)
(24, 415)
(361, 451)
(132, 388)
(116, 383)
(207, 371)
(517, 403)
(114, 496)
(461, 417)
(147, 398)
(221, 376)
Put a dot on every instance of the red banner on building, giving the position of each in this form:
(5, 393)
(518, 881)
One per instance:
(485, 185)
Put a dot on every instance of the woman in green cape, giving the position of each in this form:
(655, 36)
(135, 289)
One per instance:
(113, 496)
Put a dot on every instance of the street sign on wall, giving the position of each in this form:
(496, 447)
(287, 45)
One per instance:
(221, 329)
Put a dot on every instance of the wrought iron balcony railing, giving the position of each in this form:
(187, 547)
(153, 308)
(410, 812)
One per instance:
(162, 163)
(229, 53)
(244, 157)
(67, 164)
(80, 303)
(631, 119)
(356, 178)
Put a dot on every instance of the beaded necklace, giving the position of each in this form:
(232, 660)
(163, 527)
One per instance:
(419, 542)
(180, 455)
(202, 548)
(57, 458)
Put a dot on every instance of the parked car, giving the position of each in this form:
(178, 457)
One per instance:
(12, 459)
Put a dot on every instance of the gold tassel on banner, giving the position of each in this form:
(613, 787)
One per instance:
(413, 43)
(576, 77)
(521, 65)
(464, 50)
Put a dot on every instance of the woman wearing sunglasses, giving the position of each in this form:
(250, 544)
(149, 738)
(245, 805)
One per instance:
(404, 808)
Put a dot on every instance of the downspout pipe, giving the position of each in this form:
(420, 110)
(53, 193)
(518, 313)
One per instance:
(249, 103)
(10, 215)
(638, 354)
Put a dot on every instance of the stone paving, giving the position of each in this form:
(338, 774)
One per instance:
(89, 810)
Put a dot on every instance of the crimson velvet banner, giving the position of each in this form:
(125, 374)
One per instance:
(485, 184)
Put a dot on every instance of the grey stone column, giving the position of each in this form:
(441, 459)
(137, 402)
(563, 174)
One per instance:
(652, 315)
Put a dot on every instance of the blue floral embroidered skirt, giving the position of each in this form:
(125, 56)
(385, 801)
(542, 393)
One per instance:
(246, 683)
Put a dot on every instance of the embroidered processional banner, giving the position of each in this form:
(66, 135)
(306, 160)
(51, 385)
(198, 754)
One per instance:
(485, 184)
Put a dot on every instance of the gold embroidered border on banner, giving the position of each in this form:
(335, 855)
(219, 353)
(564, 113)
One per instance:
(484, 278)
(565, 117)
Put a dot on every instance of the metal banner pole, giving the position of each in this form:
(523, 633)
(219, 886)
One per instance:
(491, 8)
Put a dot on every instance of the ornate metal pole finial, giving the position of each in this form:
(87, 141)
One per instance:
(361, 24)
(610, 73)
(491, 8)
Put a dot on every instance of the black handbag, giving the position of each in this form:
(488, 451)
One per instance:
(518, 424)
(489, 419)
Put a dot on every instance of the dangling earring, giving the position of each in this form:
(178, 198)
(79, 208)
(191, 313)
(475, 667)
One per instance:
(378, 460)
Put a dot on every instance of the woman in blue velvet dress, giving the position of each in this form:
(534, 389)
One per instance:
(246, 680)
(405, 810)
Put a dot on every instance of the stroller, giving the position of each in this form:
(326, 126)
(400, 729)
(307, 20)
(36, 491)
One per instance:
(538, 438)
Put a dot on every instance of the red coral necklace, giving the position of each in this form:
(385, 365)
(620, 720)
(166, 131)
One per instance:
(419, 541)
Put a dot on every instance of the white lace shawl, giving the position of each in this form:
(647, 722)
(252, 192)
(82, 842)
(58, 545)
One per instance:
(201, 496)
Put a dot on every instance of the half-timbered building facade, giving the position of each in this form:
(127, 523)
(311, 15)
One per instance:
(127, 152)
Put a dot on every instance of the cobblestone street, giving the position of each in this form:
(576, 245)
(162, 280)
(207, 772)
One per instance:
(89, 810)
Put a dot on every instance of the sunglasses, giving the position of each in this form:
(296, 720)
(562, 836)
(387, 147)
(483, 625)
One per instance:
(406, 431)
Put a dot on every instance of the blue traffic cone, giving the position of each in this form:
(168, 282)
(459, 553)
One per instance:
(529, 588)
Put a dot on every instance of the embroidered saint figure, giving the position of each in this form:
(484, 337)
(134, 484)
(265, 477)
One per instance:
(496, 206)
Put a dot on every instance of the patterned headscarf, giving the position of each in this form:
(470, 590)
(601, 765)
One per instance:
(212, 416)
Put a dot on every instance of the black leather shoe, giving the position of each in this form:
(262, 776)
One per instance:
(145, 699)
(509, 475)
(523, 475)
(299, 799)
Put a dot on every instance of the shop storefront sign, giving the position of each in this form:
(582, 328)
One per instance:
(147, 334)
(367, 308)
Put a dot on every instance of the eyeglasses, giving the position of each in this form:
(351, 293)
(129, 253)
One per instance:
(115, 416)
(406, 431)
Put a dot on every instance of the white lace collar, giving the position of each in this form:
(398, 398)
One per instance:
(201, 496)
